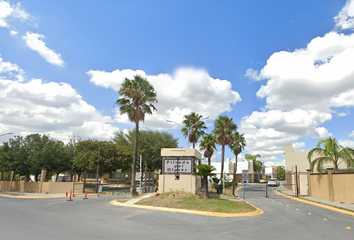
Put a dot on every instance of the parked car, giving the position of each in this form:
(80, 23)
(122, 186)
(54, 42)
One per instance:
(273, 182)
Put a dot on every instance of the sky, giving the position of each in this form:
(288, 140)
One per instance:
(283, 70)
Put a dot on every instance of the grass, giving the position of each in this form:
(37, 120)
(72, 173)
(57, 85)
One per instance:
(191, 201)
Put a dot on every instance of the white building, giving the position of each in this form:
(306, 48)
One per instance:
(229, 168)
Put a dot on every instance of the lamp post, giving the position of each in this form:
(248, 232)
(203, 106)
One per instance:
(4, 134)
(189, 128)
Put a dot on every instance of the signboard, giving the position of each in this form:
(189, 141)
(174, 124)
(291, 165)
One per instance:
(177, 165)
(244, 176)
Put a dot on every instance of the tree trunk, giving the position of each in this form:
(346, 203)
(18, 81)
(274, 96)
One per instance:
(56, 178)
(206, 192)
(234, 179)
(222, 163)
(36, 177)
(209, 161)
(133, 184)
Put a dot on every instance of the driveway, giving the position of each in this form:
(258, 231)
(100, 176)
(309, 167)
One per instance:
(95, 218)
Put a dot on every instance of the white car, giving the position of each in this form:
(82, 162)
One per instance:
(273, 182)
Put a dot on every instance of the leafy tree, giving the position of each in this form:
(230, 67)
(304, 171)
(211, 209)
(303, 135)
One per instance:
(136, 99)
(280, 172)
(237, 144)
(102, 156)
(193, 127)
(205, 171)
(150, 144)
(208, 143)
(329, 151)
(257, 165)
(223, 127)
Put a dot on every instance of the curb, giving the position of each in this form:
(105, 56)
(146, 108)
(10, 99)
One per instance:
(318, 204)
(210, 214)
(49, 197)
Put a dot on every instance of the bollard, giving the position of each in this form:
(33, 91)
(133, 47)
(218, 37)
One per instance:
(85, 193)
(71, 192)
(66, 194)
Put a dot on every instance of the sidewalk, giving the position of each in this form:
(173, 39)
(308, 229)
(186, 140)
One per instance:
(318, 200)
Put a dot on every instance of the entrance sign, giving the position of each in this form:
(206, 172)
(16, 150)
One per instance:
(177, 165)
(245, 176)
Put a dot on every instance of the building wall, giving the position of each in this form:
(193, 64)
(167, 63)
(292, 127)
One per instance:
(339, 188)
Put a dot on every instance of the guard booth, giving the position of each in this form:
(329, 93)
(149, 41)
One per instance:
(177, 170)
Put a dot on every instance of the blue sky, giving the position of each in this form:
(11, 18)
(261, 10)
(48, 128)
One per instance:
(282, 69)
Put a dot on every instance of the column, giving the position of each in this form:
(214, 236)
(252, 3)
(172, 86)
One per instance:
(330, 185)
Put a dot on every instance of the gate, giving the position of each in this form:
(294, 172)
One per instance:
(297, 182)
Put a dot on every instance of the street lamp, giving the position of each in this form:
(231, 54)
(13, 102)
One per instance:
(4, 134)
(189, 128)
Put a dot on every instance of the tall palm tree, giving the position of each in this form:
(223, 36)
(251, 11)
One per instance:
(329, 151)
(237, 144)
(193, 127)
(208, 144)
(223, 127)
(205, 171)
(136, 99)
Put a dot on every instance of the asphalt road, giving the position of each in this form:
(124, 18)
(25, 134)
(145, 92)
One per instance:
(96, 219)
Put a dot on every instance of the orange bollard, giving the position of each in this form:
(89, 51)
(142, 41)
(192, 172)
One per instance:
(71, 193)
(85, 193)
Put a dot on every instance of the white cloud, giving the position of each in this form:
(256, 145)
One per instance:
(351, 135)
(298, 145)
(35, 42)
(10, 71)
(346, 143)
(51, 108)
(13, 33)
(9, 12)
(187, 90)
(345, 18)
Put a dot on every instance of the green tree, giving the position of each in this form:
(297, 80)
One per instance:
(205, 171)
(237, 144)
(150, 144)
(136, 99)
(329, 151)
(208, 143)
(280, 172)
(257, 165)
(101, 156)
(193, 127)
(223, 127)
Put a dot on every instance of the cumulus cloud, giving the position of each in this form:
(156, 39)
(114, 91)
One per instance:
(302, 89)
(346, 143)
(36, 42)
(187, 90)
(345, 18)
(351, 135)
(53, 108)
(10, 71)
(298, 145)
(10, 12)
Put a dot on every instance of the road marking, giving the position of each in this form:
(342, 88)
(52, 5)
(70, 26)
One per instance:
(287, 205)
(273, 200)
(325, 219)
(310, 213)
(280, 203)
(297, 209)
(348, 228)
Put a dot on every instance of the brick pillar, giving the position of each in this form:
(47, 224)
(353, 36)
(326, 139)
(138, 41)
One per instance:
(330, 185)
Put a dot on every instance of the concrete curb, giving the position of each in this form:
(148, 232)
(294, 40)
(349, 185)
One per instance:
(210, 214)
(317, 204)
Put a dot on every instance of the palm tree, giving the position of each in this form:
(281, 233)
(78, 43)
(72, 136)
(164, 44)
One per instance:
(329, 151)
(136, 99)
(237, 144)
(193, 127)
(223, 127)
(208, 144)
(205, 171)
(257, 165)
